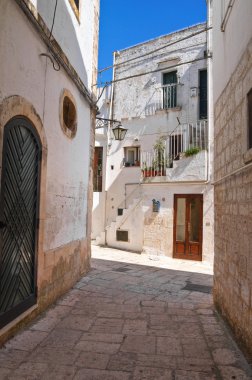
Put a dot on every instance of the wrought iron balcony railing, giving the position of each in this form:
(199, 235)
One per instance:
(184, 137)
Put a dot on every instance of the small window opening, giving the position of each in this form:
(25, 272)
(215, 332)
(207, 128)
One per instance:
(131, 156)
(122, 235)
(120, 211)
(69, 113)
(77, 3)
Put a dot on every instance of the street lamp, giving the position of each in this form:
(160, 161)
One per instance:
(119, 132)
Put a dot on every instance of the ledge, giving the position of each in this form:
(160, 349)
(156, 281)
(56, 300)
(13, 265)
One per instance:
(166, 110)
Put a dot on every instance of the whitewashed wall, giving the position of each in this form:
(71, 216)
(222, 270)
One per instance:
(76, 37)
(68, 160)
(230, 45)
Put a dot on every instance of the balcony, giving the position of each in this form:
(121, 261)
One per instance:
(163, 98)
(167, 97)
(185, 141)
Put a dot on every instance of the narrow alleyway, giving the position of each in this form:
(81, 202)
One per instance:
(130, 318)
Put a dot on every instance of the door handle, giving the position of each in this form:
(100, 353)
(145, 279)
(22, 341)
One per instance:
(2, 225)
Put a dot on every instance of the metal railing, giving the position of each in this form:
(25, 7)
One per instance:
(183, 138)
(166, 96)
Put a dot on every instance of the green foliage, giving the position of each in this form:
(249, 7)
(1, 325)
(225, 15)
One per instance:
(159, 149)
(192, 151)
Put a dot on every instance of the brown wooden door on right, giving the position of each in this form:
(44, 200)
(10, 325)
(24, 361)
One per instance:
(188, 223)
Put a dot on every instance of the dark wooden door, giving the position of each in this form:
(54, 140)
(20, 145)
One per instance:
(188, 223)
(97, 178)
(19, 206)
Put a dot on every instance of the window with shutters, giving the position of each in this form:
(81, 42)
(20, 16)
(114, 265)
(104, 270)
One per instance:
(170, 81)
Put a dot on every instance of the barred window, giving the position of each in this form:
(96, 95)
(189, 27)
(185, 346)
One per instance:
(122, 235)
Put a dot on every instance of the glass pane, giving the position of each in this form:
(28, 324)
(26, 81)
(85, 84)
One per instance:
(131, 157)
(181, 216)
(194, 219)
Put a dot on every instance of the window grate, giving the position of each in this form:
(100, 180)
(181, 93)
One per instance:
(122, 235)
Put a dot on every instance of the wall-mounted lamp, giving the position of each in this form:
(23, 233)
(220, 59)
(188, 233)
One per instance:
(119, 132)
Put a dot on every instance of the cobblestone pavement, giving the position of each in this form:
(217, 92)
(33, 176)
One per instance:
(132, 317)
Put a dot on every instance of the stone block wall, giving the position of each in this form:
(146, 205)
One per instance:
(233, 203)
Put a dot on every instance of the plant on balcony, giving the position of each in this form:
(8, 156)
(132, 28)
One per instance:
(192, 151)
(159, 162)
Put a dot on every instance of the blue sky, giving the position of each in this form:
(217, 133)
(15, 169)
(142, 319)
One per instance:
(124, 23)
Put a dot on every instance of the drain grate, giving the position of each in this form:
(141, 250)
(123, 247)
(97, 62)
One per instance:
(122, 269)
(198, 288)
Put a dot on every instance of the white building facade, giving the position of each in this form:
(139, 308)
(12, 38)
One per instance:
(157, 196)
(47, 110)
(232, 96)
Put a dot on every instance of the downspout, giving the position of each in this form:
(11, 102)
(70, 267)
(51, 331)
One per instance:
(111, 111)
(210, 92)
(226, 15)
(111, 108)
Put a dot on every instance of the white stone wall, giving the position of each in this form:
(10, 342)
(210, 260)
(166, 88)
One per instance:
(75, 36)
(136, 97)
(37, 82)
(135, 104)
(101, 140)
(232, 70)
(231, 44)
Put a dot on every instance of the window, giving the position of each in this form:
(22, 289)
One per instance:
(170, 90)
(68, 114)
(75, 4)
(122, 235)
(131, 156)
(203, 94)
(98, 159)
(249, 100)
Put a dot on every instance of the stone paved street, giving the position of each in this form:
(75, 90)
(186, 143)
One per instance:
(132, 317)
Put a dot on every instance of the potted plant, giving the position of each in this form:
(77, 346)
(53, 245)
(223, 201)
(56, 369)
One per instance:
(192, 151)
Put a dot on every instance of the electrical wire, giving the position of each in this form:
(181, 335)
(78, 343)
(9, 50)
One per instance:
(51, 57)
(155, 50)
(54, 14)
(106, 85)
(153, 71)
(53, 63)
(167, 54)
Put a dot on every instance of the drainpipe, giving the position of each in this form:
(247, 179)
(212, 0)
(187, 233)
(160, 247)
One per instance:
(111, 107)
(226, 15)
(111, 111)
(210, 91)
